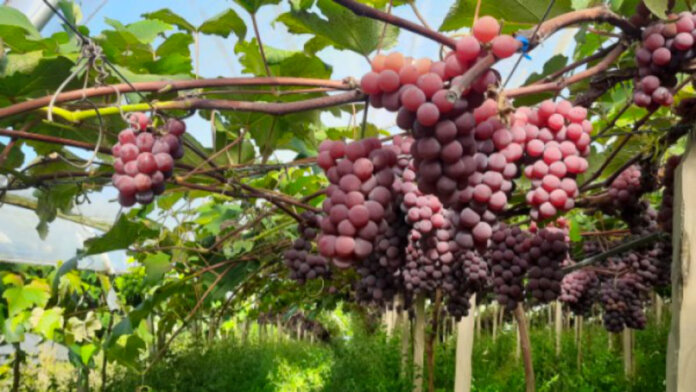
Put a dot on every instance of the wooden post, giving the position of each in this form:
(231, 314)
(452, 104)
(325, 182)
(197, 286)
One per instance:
(579, 321)
(681, 349)
(526, 349)
(559, 327)
(465, 345)
(518, 345)
(627, 353)
(478, 322)
(495, 321)
(405, 341)
(299, 331)
(419, 344)
(658, 309)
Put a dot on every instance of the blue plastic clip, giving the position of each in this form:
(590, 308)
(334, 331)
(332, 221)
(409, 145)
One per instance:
(525, 46)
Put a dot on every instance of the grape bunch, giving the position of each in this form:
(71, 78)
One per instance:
(508, 258)
(418, 90)
(665, 48)
(622, 299)
(145, 158)
(557, 142)
(664, 215)
(579, 291)
(548, 250)
(626, 188)
(357, 200)
(304, 264)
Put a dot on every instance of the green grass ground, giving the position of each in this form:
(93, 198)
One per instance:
(371, 363)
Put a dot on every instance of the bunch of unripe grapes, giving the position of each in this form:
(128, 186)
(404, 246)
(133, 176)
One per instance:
(418, 90)
(360, 194)
(664, 215)
(548, 250)
(579, 291)
(304, 264)
(557, 142)
(145, 158)
(665, 48)
(508, 258)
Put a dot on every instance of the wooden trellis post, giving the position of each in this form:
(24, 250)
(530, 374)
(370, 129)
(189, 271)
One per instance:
(465, 345)
(681, 349)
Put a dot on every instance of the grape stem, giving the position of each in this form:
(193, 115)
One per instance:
(172, 85)
(543, 31)
(612, 56)
(373, 13)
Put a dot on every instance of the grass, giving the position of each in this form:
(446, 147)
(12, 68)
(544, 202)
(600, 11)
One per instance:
(371, 363)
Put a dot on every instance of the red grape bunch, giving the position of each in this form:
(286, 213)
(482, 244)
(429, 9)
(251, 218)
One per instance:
(557, 142)
(508, 258)
(547, 251)
(666, 47)
(305, 265)
(664, 215)
(485, 193)
(622, 299)
(626, 188)
(357, 200)
(145, 158)
(579, 291)
(418, 90)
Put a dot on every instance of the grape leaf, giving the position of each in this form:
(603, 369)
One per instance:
(156, 265)
(24, 297)
(657, 7)
(13, 17)
(253, 5)
(515, 14)
(167, 16)
(121, 236)
(340, 28)
(223, 24)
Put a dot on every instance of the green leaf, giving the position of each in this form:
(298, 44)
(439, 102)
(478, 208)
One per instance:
(123, 234)
(82, 330)
(50, 200)
(24, 297)
(223, 24)
(253, 5)
(46, 321)
(13, 17)
(22, 63)
(147, 30)
(657, 7)
(175, 44)
(574, 233)
(167, 16)
(43, 79)
(156, 266)
(280, 62)
(554, 64)
(15, 158)
(514, 14)
(340, 28)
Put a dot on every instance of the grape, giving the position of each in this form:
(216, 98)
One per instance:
(504, 46)
(370, 83)
(147, 163)
(412, 98)
(485, 29)
(127, 136)
(429, 83)
(145, 141)
(388, 80)
(468, 48)
(428, 114)
(440, 100)
(394, 61)
(661, 56)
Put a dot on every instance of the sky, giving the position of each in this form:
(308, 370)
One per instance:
(217, 58)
